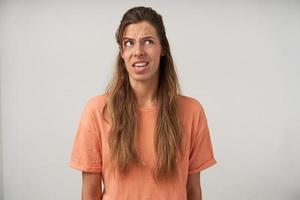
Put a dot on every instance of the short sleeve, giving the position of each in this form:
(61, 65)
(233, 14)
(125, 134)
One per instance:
(86, 153)
(201, 151)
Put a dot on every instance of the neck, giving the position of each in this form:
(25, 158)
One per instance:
(145, 93)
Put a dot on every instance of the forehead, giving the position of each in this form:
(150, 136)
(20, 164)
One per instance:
(140, 29)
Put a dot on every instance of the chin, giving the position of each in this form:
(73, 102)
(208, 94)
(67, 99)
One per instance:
(140, 79)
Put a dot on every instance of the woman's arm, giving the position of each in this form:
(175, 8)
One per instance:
(91, 186)
(193, 187)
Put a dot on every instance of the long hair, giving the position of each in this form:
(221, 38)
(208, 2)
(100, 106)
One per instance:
(123, 107)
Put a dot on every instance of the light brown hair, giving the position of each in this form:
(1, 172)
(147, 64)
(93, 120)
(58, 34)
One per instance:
(123, 108)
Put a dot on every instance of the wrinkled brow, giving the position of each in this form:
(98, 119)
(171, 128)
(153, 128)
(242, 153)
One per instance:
(143, 38)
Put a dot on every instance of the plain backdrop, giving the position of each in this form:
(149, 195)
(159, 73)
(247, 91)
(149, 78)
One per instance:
(240, 59)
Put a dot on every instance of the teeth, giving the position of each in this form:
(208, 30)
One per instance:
(141, 64)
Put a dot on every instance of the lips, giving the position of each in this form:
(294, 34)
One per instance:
(140, 67)
(140, 64)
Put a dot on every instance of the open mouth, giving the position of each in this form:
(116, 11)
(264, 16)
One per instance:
(140, 67)
(140, 64)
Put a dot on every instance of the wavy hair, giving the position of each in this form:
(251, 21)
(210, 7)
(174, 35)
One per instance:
(122, 106)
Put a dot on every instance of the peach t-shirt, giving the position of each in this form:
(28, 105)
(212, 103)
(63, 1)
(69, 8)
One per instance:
(91, 152)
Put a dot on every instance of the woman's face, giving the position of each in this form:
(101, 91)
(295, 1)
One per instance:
(141, 52)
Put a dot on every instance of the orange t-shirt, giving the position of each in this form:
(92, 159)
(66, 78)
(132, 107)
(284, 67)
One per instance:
(91, 152)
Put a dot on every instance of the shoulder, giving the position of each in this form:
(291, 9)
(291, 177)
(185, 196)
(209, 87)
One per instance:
(191, 104)
(96, 103)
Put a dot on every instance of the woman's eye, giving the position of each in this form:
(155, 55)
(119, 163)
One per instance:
(148, 41)
(128, 43)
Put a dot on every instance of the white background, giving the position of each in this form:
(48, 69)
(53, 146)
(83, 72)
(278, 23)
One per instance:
(240, 59)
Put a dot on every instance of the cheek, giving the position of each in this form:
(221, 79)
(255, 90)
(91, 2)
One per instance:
(125, 57)
(157, 56)
(124, 60)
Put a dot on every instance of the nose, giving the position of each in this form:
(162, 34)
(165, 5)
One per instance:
(139, 50)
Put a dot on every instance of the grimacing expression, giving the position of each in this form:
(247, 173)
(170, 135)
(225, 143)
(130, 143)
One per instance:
(141, 51)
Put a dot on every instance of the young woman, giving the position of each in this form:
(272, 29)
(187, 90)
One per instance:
(142, 138)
